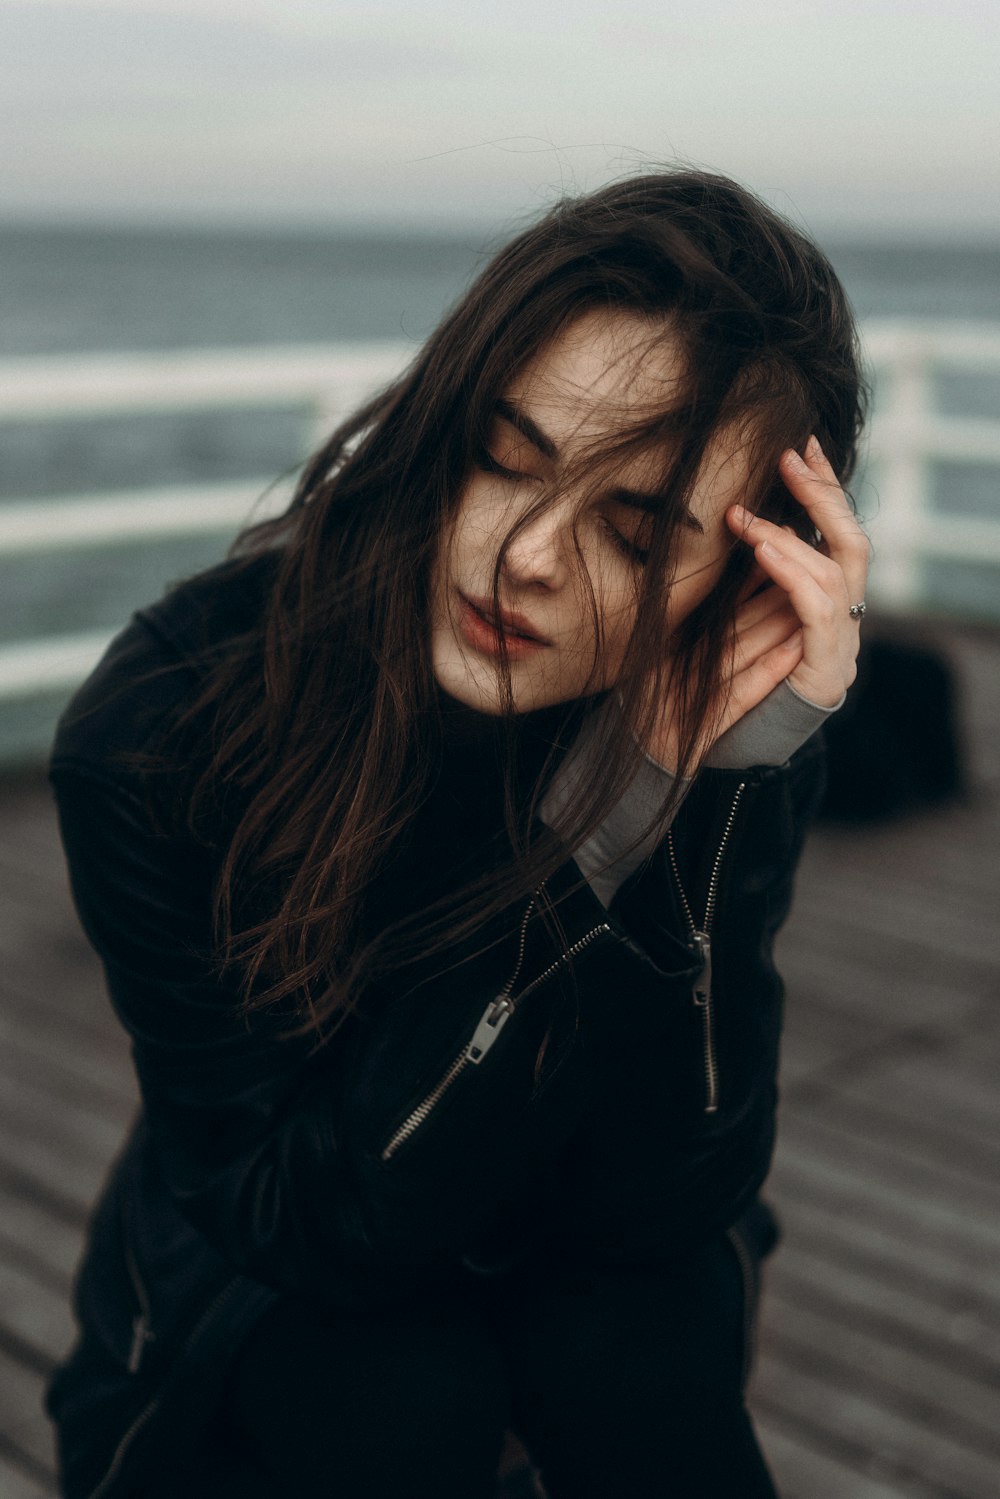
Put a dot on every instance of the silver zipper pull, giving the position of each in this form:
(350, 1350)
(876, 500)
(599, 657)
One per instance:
(491, 1023)
(701, 989)
(141, 1335)
(701, 986)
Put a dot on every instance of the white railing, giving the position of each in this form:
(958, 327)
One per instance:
(907, 435)
(324, 382)
(327, 382)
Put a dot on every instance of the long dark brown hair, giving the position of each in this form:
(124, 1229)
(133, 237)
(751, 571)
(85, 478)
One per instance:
(325, 721)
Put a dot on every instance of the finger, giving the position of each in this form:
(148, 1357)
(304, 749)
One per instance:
(825, 569)
(768, 601)
(830, 638)
(764, 636)
(814, 484)
(756, 581)
(759, 678)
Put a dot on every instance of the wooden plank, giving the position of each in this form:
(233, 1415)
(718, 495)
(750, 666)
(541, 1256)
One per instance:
(807, 1208)
(74, 1166)
(36, 1323)
(838, 1415)
(905, 1227)
(941, 924)
(85, 1130)
(903, 1379)
(895, 1313)
(97, 1076)
(65, 990)
(48, 1251)
(831, 1129)
(890, 963)
(875, 988)
(940, 1221)
(830, 1250)
(33, 1195)
(942, 1081)
(887, 1102)
(800, 1472)
(866, 1002)
(16, 1484)
(27, 1430)
(817, 1035)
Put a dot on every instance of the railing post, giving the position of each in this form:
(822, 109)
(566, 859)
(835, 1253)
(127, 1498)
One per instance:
(902, 474)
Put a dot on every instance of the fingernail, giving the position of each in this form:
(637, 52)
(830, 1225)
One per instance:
(813, 449)
(765, 549)
(742, 514)
(793, 459)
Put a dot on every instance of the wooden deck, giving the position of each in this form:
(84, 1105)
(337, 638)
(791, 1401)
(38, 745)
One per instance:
(879, 1363)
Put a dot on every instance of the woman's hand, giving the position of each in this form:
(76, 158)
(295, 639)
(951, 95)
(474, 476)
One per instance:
(800, 628)
(820, 584)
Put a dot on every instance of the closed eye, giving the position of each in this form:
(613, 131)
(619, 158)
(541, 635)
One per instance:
(485, 460)
(629, 549)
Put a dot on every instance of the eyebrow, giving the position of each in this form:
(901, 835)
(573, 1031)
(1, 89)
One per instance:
(649, 504)
(527, 428)
(632, 499)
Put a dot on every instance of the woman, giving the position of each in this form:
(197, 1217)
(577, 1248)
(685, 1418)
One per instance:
(434, 846)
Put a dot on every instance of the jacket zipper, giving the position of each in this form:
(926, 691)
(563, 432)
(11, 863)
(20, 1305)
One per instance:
(148, 1411)
(490, 1024)
(142, 1331)
(747, 1275)
(700, 941)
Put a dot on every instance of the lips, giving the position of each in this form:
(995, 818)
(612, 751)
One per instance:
(515, 625)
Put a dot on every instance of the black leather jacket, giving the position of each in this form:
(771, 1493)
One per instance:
(418, 1145)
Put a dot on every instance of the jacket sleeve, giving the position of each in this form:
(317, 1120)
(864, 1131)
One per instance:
(276, 1151)
(243, 1126)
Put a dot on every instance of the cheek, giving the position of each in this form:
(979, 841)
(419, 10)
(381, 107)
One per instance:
(696, 577)
(617, 609)
(477, 527)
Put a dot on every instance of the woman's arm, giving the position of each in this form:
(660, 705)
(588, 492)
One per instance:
(682, 1130)
(768, 735)
(244, 1126)
(277, 1155)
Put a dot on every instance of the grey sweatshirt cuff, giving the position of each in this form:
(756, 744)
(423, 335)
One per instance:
(772, 731)
(767, 735)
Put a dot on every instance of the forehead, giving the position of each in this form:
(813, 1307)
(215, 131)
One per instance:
(608, 370)
(604, 372)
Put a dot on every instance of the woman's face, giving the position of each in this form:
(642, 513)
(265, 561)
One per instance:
(604, 374)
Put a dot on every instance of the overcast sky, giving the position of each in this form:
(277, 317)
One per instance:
(858, 114)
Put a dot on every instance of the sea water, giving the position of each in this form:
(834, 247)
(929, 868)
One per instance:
(79, 290)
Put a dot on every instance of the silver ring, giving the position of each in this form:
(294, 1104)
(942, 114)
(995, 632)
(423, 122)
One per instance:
(857, 611)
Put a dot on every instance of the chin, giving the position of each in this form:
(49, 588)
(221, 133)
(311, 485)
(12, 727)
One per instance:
(477, 690)
(469, 696)
(475, 682)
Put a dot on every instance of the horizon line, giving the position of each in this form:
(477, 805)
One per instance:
(926, 234)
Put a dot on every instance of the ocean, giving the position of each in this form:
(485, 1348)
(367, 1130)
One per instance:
(76, 290)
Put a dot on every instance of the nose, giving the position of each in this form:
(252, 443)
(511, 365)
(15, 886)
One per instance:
(539, 553)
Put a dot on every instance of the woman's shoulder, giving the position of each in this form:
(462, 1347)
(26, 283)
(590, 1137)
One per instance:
(211, 607)
(155, 666)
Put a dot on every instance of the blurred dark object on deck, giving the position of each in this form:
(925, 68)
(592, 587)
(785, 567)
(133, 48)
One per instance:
(896, 745)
